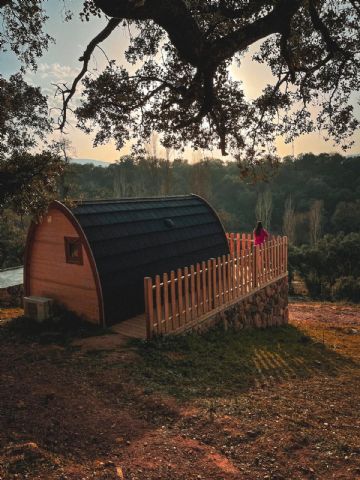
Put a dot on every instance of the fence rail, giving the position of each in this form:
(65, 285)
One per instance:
(183, 298)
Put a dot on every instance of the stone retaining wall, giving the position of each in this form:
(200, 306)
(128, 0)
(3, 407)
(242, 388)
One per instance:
(11, 296)
(266, 307)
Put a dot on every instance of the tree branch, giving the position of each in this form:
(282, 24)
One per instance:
(173, 16)
(240, 39)
(286, 52)
(319, 25)
(223, 10)
(207, 99)
(281, 80)
(68, 93)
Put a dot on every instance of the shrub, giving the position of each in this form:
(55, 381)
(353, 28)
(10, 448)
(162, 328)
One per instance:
(325, 266)
(346, 288)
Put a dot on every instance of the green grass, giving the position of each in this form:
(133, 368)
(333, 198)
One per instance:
(220, 363)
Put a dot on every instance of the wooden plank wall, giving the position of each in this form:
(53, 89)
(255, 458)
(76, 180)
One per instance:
(186, 296)
(50, 276)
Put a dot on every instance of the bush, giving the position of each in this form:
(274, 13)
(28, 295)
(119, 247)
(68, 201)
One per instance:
(313, 284)
(330, 269)
(346, 288)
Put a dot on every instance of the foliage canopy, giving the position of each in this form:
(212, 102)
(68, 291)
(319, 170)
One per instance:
(182, 87)
(27, 180)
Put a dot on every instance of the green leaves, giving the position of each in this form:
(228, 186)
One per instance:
(23, 115)
(28, 182)
(23, 30)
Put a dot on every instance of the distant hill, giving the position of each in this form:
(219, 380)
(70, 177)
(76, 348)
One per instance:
(84, 161)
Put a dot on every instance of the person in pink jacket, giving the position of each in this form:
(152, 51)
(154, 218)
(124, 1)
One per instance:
(260, 237)
(260, 234)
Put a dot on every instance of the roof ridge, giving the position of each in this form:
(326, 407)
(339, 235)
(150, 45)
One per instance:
(130, 199)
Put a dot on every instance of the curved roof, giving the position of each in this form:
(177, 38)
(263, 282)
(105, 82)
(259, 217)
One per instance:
(134, 238)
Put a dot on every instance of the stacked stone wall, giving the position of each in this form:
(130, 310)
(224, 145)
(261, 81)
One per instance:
(266, 307)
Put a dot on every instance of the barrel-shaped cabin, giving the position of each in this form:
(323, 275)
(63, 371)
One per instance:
(93, 257)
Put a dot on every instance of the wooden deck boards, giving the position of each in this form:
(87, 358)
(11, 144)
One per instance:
(134, 327)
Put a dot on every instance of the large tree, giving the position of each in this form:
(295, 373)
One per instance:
(183, 88)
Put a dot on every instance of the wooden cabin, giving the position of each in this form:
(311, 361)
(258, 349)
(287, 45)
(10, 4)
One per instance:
(93, 258)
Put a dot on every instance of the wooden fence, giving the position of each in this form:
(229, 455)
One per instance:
(179, 300)
(239, 242)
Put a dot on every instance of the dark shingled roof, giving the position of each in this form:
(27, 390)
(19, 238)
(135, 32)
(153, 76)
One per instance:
(134, 238)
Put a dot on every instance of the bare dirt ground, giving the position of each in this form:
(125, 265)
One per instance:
(73, 414)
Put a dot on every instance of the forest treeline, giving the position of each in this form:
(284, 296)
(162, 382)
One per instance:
(305, 197)
(308, 198)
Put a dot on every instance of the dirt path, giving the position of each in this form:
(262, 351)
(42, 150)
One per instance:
(69, 414)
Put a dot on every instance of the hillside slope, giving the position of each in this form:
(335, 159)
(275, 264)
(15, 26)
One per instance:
(275, 404)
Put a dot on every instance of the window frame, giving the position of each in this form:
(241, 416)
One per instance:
(68, 241)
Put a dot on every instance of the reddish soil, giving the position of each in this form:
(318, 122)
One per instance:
(69, 414)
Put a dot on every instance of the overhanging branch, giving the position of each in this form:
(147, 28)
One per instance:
(68, 93)
(238, 40)
(331, 46)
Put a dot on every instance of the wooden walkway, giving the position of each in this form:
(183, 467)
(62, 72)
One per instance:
(132, 328)
(120, 334)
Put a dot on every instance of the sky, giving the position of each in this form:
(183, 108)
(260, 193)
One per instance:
(60, 64)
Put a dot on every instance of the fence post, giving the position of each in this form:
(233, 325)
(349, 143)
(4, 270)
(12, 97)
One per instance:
(186, 294)
(149, 307)
(204, 287)
(246, 270)
(249, 240)
(224, 286)
(232, 243)
(265, 262)
(238, 245)
(255, 265)
(240, 274)
(199, 309)
(220, 282)
(165, 326)
(216, 287)
(180, 296)
(158, 304)
(192, 292)
(173, 300)
(209, 272)
(230, 284)
(243, 242)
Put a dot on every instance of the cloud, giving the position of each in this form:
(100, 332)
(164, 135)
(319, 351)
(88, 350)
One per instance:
(56, 72)
(53, 73)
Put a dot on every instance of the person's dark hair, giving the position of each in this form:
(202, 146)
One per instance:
(258, 228)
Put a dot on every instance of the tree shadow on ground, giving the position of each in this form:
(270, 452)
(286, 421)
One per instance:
(220, 363)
